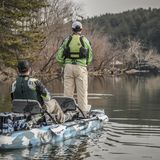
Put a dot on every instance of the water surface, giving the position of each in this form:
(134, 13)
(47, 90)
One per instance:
(133, 130)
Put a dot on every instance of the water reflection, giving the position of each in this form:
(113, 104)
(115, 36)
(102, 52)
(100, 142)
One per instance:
(133, 141)
(75, 148)
(5, 104)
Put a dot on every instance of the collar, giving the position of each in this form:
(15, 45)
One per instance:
(23, 75)
(76, 33)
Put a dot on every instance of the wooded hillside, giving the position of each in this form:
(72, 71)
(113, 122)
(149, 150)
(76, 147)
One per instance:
(140, 24)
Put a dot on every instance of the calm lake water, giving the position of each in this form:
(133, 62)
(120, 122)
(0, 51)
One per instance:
(133, 132)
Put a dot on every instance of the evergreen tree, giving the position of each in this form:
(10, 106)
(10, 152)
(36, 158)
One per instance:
(20, 29)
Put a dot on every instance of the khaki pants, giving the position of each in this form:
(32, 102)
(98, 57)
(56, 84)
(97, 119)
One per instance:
(54, 108)
(76, 77)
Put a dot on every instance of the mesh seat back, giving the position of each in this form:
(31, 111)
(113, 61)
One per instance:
(26, 106)
(66, 103)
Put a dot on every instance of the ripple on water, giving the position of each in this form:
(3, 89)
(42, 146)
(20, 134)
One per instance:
(119, 141)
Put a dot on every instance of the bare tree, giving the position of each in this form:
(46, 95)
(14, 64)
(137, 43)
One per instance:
(57, 17)
(133, 53)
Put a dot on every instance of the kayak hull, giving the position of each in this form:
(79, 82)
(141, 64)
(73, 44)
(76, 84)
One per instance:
(53, 133)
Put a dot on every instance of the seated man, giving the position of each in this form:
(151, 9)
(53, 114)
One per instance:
(26, 87)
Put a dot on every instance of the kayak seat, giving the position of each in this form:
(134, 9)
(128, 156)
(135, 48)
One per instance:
(69, 104)
(26, 106)
(66, 103)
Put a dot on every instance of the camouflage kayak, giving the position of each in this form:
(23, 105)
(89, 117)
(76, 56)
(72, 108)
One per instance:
(52, 133)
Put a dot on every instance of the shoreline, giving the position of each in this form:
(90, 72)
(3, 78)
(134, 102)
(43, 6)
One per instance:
(7, 77)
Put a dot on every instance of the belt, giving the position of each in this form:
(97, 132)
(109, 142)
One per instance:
(74, 62)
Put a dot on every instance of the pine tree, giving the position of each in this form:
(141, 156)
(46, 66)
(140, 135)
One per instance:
(20, 29)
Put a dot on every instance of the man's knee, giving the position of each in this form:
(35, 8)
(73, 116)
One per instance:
(54, 108)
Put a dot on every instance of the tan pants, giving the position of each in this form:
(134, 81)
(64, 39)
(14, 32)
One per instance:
(76, 77)
(54, 108)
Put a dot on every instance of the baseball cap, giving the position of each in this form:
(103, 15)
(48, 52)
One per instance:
(77, 26)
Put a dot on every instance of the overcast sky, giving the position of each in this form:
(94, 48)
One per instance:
(97, 7)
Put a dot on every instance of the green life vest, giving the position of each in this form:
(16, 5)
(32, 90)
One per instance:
(23, 91)
(75, 48)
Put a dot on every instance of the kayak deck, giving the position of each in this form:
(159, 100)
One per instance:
(53, 133)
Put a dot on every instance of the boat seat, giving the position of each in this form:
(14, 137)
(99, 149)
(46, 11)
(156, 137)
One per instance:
(26, 106)
(66, 103)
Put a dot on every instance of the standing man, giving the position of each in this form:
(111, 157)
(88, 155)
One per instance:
(26, 87)
(75, 54)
